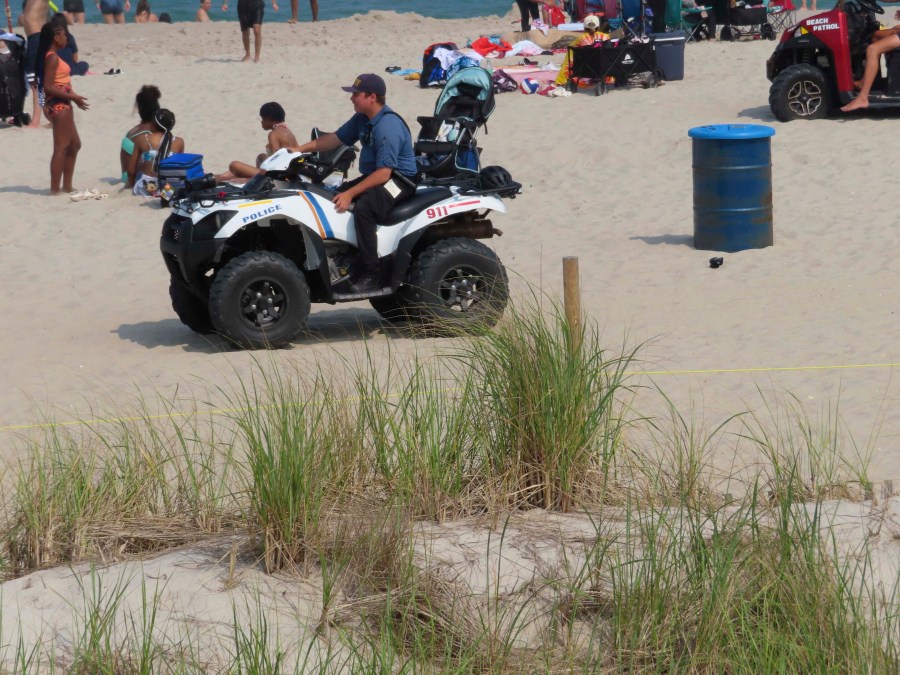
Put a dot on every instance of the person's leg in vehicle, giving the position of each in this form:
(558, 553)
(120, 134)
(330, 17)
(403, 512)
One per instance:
(888, 41)
(369, 209)
(239, 172)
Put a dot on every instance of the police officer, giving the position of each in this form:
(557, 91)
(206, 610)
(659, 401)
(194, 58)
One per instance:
(387, 164)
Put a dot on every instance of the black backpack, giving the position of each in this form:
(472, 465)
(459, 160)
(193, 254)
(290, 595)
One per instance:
(432, 71)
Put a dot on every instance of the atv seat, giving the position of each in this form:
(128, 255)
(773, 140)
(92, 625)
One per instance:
(892, 61)
(409, 207)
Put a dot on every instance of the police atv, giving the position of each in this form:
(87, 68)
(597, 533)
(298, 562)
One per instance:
(813, 68)
(247, 261)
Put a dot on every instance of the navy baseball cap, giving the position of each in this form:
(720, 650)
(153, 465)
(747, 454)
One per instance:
(367, 83)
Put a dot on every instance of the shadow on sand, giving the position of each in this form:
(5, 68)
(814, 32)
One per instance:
(25, 190)
(343, 325)
(670, 239)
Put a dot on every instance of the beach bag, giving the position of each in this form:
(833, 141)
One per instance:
(503, 82)
(432, 71)
(555, 15)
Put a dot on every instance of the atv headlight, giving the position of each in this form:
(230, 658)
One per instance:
(208, 226)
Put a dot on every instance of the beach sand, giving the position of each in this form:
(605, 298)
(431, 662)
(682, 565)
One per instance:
(87, 324)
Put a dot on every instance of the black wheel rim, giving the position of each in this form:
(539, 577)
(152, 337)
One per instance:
(462, 289)
(262, 303)
(805, 98)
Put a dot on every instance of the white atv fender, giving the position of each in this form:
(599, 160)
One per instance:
(320, 216)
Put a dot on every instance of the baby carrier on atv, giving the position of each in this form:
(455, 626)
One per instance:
(446, 148)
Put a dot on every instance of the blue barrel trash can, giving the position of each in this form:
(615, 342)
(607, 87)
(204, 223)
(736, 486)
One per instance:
(732, 166)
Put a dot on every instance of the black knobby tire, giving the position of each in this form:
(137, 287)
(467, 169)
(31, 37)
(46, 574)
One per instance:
(259, 300)
(458, 284)
(728, 34)
(394, 308)
(767, 32)
(800, 92)
(193, 312)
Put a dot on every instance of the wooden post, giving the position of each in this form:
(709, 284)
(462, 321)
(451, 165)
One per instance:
(572, 296)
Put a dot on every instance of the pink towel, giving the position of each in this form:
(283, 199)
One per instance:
(533, 73)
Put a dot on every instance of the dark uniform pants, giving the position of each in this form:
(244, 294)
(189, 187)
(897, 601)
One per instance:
(369, 209)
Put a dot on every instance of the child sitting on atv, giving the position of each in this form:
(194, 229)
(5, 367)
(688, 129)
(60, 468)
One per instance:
(271, 118)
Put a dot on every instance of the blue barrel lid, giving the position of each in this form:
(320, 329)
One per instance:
(731, 131)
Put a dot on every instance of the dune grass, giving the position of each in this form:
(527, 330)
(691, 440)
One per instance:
(335, 477)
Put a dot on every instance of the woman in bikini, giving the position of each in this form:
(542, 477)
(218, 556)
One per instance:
(147, 104)
(55, 82)
(149, 150)
(271, 118)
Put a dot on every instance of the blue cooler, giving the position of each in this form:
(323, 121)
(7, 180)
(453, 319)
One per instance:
(669, 48)
(178, 168)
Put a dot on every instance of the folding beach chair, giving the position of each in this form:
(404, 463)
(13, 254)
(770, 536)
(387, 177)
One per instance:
(695, 26)
(637, 18)
(782, 14)
(578, 9)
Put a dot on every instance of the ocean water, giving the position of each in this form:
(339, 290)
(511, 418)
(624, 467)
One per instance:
(184, 10)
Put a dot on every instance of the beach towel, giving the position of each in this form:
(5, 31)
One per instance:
(488, 48)
(525, 48)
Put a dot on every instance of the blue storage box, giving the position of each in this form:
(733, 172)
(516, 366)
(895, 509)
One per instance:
(177, 168)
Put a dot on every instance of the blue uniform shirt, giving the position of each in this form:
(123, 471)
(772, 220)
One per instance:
(386, 142)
